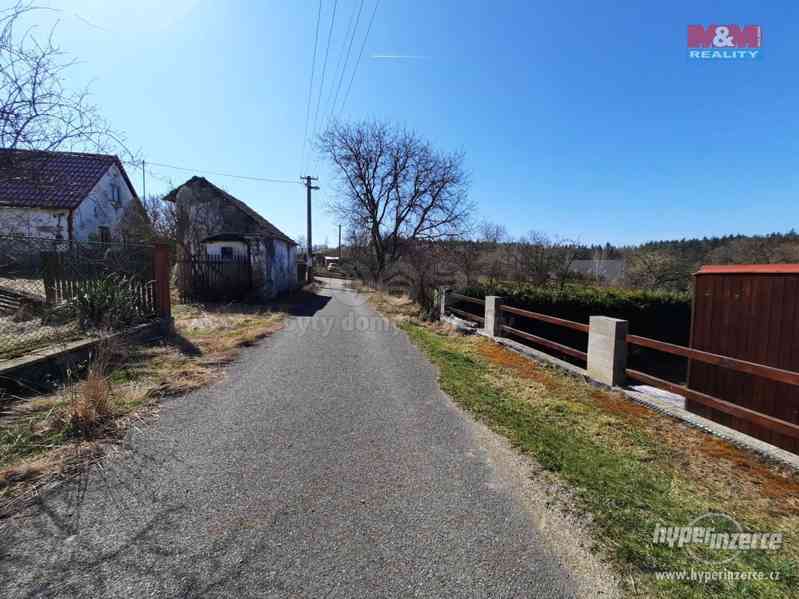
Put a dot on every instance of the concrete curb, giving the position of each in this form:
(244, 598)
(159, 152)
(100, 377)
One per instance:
(42, 365)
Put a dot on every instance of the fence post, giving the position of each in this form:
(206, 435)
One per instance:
(443, 293)
(607, 350)
(161, 274)
(493, 315)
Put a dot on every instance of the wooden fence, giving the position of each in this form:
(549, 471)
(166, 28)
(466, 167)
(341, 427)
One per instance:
(65, 277)
(765, 421)
(212, 278)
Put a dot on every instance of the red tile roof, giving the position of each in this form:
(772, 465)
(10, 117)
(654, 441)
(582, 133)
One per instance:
(766, 269)
(52, 179)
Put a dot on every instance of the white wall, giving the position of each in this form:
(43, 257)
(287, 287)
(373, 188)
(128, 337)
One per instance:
(214, 248)
(275, 267)
(100, 209)
(283, 267)
(34, 222)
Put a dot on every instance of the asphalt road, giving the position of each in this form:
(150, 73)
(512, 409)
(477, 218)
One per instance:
(327, 464)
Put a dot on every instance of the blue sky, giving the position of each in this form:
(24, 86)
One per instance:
(579, 119)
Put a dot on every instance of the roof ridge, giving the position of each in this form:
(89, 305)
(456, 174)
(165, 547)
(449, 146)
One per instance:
(241, 205)
(60, 152)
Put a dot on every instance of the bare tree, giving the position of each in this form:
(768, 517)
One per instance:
(37, 111)
(422, 265)
(530, 258)
(493, 235)
(395, 187)
(151, 220)
(656, 269)
(538, 259)
(754, 250)
(467, 257)
(564, 252)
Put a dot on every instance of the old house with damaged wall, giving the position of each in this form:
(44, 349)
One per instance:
(65, 196)
(211, 221)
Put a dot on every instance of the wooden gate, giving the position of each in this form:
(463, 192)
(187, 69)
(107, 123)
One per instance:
(215, 278)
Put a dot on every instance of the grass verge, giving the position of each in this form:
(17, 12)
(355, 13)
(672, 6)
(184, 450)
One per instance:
(55, 434)
(631, 468)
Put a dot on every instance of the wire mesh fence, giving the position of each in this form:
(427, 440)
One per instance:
(54, 291)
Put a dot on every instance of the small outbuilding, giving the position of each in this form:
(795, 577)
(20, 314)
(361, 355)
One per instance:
(213, 223)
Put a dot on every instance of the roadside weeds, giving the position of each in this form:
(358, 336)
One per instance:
(47, 438)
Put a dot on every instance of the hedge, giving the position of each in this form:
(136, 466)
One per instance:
(665, 316)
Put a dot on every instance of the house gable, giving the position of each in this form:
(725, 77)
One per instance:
(205, 209)
(54, 180)
(104, 207)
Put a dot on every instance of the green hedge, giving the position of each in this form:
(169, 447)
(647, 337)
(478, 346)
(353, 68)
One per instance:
(660, 315)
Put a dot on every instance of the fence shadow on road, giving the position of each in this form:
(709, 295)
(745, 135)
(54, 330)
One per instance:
(122, 525)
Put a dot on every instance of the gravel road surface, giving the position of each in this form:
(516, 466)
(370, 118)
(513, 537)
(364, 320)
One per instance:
(327, 463)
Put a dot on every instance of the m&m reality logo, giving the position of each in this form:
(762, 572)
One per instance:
(724, 42)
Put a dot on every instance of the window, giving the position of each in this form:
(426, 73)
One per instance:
(116, 202)
(104, 234)
(226, 251)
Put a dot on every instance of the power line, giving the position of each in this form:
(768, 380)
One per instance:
(348, 33)
(310, 86)
(324, 66)
(360, 54)
(218, 174)
(346, 62)
(340, 60)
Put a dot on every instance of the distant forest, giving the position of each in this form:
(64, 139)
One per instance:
(762, 247)
(669, 264)
(493, 256)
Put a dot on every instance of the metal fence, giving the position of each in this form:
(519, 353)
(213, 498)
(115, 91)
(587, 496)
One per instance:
(54, 291)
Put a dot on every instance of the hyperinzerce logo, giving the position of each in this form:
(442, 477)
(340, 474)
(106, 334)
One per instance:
(724, 42)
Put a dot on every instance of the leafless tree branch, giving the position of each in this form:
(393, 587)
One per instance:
(395, 188)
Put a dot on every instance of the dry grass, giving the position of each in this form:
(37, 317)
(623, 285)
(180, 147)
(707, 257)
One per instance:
(50, 436)
(630, 468)
(629, 465)
(744, 482)
(401, 309)
(398, 308)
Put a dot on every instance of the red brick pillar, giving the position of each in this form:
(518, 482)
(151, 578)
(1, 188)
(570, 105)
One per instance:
(161, 270)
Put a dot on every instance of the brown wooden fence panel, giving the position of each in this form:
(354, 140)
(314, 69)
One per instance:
(213, 278)
(751, 313)
(67, 273)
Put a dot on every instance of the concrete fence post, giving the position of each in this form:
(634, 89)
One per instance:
(493, 315)
(607, 350)
(443, 293)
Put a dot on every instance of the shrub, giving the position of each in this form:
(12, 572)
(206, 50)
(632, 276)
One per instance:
(110, 303)
(90, 403)
(658, 314)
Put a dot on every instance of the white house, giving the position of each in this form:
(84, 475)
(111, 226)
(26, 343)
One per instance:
(64, 195)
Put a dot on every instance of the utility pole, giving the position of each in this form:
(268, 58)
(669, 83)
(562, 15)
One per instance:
(309, 187)
(339, 244)
(143, 182)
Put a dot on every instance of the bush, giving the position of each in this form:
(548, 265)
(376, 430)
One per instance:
(108, 303)
(661, 315)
